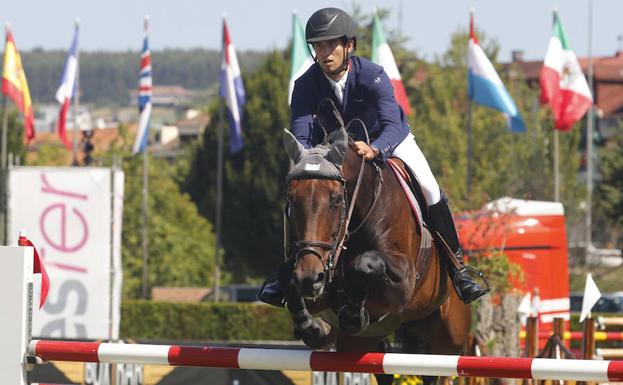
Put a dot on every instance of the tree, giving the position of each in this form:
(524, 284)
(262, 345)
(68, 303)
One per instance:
(181, 242)
(609, 192)
(15, 135)
(253, 183)
(504, 163)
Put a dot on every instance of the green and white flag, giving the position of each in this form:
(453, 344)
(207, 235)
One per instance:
(383, 56)
(300, 59)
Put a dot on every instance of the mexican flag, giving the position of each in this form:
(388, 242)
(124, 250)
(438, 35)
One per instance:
(563, 85)
(383, 56)
(300, 59)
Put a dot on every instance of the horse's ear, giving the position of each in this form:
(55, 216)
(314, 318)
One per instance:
(338, 149)
(294, 149)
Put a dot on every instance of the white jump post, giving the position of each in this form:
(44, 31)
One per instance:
(16, 288)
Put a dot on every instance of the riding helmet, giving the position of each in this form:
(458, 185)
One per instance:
(328, 24)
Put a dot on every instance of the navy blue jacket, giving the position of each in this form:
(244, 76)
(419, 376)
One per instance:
(369, 96)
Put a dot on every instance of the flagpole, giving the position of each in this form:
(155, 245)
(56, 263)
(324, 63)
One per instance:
(589, 134)
(556, 167)
(3, 159)
(3, 172)
(219, 192)
(469, 148)
(219, 201)
(145, 207)
(469, 117)
(76, 101)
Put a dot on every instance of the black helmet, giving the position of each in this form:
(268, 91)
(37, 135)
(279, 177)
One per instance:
(329, 24)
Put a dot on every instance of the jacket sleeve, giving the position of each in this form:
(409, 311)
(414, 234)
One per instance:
(393, 130)
(302, 116)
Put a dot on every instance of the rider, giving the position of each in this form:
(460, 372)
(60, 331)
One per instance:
(363, 90)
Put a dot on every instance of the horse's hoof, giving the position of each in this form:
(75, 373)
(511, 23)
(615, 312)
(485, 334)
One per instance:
(353, 320)
(315, 336)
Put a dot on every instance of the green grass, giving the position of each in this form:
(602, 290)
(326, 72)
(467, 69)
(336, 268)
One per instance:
(608, 279)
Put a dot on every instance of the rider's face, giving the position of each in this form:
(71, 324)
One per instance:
(331, 53)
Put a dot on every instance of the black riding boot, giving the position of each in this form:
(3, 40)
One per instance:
(442, 223)
(272, 291)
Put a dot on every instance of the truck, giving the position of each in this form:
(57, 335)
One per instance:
(531, 234)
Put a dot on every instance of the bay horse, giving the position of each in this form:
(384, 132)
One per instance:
(364, 281)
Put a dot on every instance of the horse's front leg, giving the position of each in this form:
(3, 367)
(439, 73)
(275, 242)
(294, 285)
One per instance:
(364, 270)
(314, 332)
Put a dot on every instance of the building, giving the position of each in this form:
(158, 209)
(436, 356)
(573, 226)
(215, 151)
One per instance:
(607, 86)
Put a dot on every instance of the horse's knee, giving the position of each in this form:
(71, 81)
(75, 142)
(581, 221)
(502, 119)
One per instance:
(370, 263)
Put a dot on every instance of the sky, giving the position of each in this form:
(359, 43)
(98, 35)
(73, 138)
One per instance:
(114, 25)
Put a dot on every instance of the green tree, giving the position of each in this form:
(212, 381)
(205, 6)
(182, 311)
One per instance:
(609, 192)
(15, 135)
(181, 242)
(504, 163)
(253, 182)
(107, 77)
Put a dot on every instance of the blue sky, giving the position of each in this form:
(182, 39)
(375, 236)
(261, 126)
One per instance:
(263, 25)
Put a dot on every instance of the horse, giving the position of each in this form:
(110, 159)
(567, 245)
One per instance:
(356, 262)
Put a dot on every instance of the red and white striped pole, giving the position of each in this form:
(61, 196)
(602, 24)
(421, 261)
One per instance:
(304, 360)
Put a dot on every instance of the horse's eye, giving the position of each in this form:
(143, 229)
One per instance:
(335, 200)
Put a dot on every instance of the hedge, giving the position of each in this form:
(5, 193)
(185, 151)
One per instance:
(149, 320)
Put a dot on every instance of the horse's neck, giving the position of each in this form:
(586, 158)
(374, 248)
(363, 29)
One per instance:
(392, 209)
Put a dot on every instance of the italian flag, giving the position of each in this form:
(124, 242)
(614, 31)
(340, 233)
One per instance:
(383, 56)
(300, 59)
(563, 85)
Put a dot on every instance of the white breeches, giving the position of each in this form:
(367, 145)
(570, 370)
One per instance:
(409, 152)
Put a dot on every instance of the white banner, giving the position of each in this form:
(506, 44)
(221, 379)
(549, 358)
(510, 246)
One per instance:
(67, 214)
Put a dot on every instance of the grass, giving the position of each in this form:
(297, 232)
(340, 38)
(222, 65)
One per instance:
(608, 279)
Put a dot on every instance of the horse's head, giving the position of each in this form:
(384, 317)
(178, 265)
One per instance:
(317, 199)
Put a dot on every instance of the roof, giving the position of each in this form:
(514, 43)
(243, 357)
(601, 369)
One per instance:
(525, 208)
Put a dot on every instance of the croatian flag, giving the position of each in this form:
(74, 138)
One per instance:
(484, 85)
(144, 96)
(232, 90)
(67, 89)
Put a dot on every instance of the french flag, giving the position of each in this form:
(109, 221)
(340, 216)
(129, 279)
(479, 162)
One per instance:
(67, 89)
(232, 90)
(144, 96)
(484, 85)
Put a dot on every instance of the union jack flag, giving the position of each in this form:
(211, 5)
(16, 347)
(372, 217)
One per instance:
(144, 96)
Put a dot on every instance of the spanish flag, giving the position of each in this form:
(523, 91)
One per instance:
(15, 86)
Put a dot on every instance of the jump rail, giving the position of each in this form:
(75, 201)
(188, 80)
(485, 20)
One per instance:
(577, 336)
(280, 359)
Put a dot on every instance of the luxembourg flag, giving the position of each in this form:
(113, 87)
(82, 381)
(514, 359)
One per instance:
(484, 85)
(383, 56)
(300, 58)
(232, 90)
(67, 89)
(563, 84)
(144, 95)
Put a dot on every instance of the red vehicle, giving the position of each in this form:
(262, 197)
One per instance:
(532, 234)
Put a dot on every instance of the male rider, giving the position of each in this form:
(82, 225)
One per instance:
(362, 89)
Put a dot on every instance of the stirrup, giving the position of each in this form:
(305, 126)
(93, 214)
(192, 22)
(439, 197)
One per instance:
(466, 271)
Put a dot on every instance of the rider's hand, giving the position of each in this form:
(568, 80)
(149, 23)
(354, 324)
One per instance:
(362, 149)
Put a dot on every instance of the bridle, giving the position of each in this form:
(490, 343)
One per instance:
(336, 245)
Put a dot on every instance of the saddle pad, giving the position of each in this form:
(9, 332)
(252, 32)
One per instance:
(426, 242)
(415, 207)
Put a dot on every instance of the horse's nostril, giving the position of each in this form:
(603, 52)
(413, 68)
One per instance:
(320, 277)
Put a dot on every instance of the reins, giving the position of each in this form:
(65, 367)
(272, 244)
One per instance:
(337, 245)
